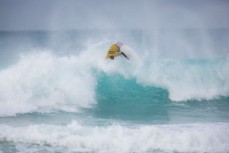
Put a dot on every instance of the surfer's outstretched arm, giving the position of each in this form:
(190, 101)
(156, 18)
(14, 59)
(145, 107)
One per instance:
(125, 55)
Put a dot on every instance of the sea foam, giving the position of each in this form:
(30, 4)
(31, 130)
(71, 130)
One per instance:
(117, 138)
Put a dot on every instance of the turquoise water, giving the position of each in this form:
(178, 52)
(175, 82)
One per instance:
(57, 97)
(123, 99)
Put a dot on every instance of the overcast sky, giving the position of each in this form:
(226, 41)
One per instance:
(112, 14)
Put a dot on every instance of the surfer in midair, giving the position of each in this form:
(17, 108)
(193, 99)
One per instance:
(115, 51)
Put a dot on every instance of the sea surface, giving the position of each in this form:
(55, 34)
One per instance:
(58, 93)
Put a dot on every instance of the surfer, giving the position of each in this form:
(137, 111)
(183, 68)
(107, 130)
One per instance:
(115, 51)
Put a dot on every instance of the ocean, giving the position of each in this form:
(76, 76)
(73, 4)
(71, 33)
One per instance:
(58, 93)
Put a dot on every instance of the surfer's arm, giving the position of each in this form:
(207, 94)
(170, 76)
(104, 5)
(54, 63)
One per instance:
(124, 55)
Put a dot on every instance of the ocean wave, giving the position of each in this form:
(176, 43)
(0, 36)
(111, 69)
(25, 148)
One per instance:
(42, 81)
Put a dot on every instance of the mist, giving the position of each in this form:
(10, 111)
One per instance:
(152, 28)
(107, 14)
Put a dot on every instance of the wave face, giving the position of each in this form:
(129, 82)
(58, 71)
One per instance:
(58, 93)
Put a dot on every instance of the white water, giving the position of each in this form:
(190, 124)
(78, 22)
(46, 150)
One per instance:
(44, 82)
(116, 138)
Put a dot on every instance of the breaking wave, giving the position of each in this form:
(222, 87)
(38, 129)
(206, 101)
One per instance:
(41, 81)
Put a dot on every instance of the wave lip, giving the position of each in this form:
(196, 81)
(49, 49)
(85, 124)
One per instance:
(116, 138)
